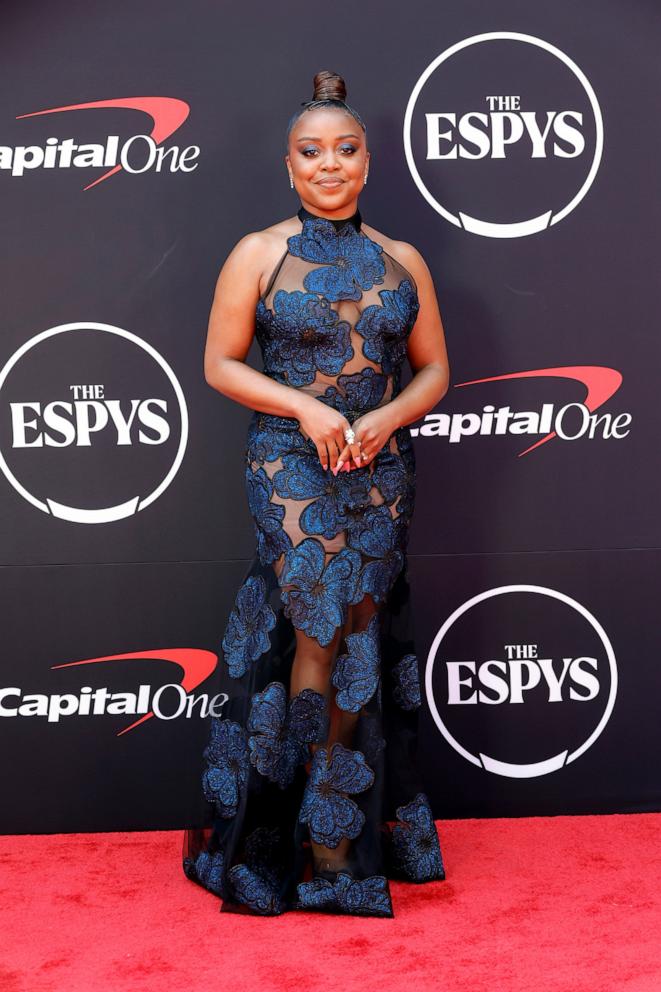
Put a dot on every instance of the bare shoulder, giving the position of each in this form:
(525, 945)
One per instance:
(258, 252)
(403, 252)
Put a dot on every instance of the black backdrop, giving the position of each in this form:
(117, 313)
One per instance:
(125, 531)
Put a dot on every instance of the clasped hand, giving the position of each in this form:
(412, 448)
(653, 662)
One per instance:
(326, 426)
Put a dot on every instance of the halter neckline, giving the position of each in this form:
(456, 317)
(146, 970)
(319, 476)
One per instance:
(354, 220)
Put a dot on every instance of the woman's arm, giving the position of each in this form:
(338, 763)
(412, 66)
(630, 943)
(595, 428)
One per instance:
(426, 348)
(231, 331)
(229, 337)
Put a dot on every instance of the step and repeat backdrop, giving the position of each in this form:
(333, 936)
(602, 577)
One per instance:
(516, 145)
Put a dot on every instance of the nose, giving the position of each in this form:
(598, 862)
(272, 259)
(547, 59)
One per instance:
(329, 161)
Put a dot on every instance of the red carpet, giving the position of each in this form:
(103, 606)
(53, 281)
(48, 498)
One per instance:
(545, 904)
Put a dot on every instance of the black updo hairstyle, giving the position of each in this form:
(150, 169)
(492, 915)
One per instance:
(329, 91)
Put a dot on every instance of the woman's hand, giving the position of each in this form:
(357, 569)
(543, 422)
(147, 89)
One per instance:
(325, 426)
(372, 430)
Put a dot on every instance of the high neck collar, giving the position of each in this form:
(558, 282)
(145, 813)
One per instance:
(354, 221)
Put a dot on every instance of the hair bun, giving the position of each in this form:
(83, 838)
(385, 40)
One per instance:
(329, 86)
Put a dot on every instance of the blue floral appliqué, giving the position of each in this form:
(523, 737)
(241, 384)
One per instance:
(225, 778)
(272, 540)
(209, 870)
(364, 389)
(406, 678)
(386, 328)
(310, 337)
(269, 437)
(416, 852)
(255, 881)
(364, 897)
(377, 535)
(280, 734)
(308, 719)
(247, 634)
(302, 477)
(317, 602)
(272, 751)
(326, 807)
(390, 476)
(356, 674)
(353, 261)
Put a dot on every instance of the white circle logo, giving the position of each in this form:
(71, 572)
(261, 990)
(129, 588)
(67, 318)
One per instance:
(521, 702)
(85, 417)
(503, 139)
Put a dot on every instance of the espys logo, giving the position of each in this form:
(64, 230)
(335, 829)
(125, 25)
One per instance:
(136, 154)
(167, 702)
(503, 134)
(569, 422)
(521, 680)
(93, 423)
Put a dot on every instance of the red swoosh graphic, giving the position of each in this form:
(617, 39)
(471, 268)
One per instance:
(196, 663)
(167, 114)
(600, 382)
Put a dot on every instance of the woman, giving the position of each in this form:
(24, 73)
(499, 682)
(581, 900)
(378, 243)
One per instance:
(310, 776)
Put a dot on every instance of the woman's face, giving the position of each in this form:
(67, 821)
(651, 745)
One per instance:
(327, 159)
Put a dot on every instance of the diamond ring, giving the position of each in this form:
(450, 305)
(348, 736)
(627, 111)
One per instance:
(349, 435)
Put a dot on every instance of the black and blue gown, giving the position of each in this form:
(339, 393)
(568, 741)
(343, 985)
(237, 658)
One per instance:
(316, 748)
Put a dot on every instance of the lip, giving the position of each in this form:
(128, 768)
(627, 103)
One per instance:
(330, 182)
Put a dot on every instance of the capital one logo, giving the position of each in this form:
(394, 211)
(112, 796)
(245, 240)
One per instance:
(521, 680)
(93, 423)
(569, 421)
(136, 154)
(169, 701)
(503, 134)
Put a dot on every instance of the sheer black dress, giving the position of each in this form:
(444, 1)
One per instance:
(310, 781)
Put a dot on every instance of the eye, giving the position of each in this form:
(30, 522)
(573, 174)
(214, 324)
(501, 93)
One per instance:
(308, 152)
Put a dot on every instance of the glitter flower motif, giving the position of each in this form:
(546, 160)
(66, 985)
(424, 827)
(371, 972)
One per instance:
(255, 881)
(272, 540)
(378, 536)
(358, 392)
(386, 328)
(406, 683)
(226, 774)
(346, 894)
(247, 633)
(354, 263)
(319, 595)
(326, 807)
(390, 476)
(302, 477)
(207, 869)
(269, 437)
(356, 673)
(308, 336)
(415, 848)
(280, 734)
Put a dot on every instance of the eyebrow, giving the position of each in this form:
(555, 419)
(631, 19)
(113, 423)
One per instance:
(339, 137)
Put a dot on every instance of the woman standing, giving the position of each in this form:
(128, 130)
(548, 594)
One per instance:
(311, 779)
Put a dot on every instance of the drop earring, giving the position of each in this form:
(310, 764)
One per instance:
(291, 181)
(365, 179)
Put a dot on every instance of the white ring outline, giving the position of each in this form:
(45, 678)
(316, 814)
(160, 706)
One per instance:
(559, 760)
(131, 506)
(552, 50)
